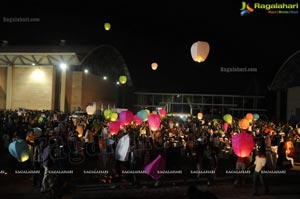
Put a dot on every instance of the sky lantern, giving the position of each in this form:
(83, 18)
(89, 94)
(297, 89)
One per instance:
(126, 117)
(242, 144)
(107, 113)
(137, 120)
(79, 129)
(153, 168)
(249, 116)
(225, 126)
(255, 116)
(199, 51)
(123, 79)
(143, 115)
(199, 116)
(107, 26)
(114, 127)
(162, 112)
(154, 66)
(19, 149)
(154, 122)
(114, 116)
(228, 118)
(244, 124)
(90, 110)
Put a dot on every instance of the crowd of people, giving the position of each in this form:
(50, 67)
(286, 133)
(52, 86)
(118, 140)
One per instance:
(61, 142)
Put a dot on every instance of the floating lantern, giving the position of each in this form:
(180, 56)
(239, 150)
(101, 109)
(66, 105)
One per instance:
(126, 117)
(244, 124)
(137, 120)
(123, 79)
(242, 144)
(123, 148)
(154, 122)
(153, 168)
(199, 116)
(107, 26)
(107, 113)
(143, 115)
(249, 116)
(79, 129)
(225, 126)
(162, 112)
(90, 110)
(114, 127)
(114, 116)
(255, 116)
(199, 51)
(154, 66)
(19, 149)
(228, 118)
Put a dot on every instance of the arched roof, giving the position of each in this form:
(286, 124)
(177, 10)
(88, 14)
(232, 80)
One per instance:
(288, 74)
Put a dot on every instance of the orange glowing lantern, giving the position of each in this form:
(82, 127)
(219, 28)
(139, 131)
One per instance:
(199, 51)
(249, 116)
(154, 122)
(199, 116)
(154, 66)
(79, 129)
(244, 124)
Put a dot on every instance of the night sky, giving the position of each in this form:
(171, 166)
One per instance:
(163, 32)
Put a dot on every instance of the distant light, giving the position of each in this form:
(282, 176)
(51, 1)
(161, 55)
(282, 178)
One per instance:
(63, 66)
(33, 64)
(37, 75)
(118, 83)
(107, 26)
(86, 71)
(154, 66)
(104, 77)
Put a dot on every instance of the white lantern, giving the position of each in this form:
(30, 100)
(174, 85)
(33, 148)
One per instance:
(90, 110)
(199, 51)
(154, 66)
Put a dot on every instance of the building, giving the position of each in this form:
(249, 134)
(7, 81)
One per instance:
(61, 77)
(286, 84)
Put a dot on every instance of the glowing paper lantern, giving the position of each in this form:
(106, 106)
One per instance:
(153, 168)
(107, 113)
(154, 122)
(249, 116)
(114, 127)
(137, 120)
(126, 117)
(199, 116)
(114, 116)
(122, 148)
(143, 115)
(107, 26)
(228, 118)
(19, 149)
(255, 116)
(162, 112)
(79, 129)
(244, 124)
(154, 66)
(123, 79)
(225, 126)
(242, 144)
(90, 110)
(199, 51)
